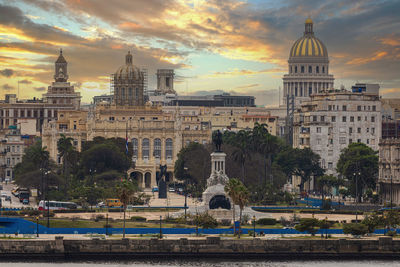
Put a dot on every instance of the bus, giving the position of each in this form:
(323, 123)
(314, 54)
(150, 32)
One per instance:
(113, 202)
(57, 205)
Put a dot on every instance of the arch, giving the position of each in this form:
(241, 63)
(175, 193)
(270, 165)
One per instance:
(138, 177)
(219, 201)
(168, 148)
(147, 180)
(145, 148)
(157, 148)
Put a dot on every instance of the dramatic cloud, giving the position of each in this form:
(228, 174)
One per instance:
(40, 89)
(226, 45)
(25, 82)
(7, 87)
(7, 72)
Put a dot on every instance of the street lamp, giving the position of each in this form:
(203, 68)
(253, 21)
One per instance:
(160, 228)
(185, 184)
(356, 199)
(37, 226)
(254, 226)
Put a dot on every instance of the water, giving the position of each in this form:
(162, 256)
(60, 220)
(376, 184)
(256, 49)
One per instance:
(209, 263)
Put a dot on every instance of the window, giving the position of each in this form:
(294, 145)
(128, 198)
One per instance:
(372, 119)
(135, 148)
(358, 130)
(318, 129)
(372, 130)
(367, 141)
(367, 130)
(145, 148)
(358, 140)
(350, 141)
(157, 148)
(322, 118)
(317, 69)
(295, 69)
(359, 118)
(329, 107)
(373, 108)
(314, 118)
(344, 108)
(342, 140)
(330, 165)
(366, 118)
(168, 148)
(344, 119)
(323, 69)
(350, 130)
(358, 108)
(302, 69)
(351, 118)
(333, 118)
(309, 69)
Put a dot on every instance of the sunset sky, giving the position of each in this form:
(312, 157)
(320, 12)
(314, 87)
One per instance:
(233, 46)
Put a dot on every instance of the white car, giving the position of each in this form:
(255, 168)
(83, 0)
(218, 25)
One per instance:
(3, 194)
(171, 189)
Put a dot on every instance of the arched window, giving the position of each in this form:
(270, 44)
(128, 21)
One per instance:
(323, 69)
(317, 69)
(135, 148)
(309, 69)
(168, 148)
(145, 148)
(123, 92)
(302, 69)
(157, 148)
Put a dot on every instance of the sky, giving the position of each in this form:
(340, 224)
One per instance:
(234, 46)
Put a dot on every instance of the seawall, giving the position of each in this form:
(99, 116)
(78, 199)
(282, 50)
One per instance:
(384, 247)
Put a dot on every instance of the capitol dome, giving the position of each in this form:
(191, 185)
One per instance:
(308, 45)
(128, 71)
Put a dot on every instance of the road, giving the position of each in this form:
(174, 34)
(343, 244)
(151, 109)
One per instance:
(14, 200)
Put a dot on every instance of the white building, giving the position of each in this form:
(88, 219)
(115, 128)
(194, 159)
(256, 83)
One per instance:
(389, 171)
(330, 121)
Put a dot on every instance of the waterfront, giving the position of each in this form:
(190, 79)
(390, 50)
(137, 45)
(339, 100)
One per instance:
(206, 262)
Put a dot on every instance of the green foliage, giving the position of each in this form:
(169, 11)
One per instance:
(206, 221)
(392, 233)
(126, 191)
(266, 221)
(355, 229)
(326, 204)
(391, 218)
(372, 221)
(358, 163)
(308, 225)
(138, 219)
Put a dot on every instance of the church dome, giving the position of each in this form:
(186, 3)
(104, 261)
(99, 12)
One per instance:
(128, 71)
(308, 45)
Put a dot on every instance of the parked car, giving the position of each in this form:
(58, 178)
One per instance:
(155, 189)
(101, 205)
(3, 194)
(1, 187)
(25, 201)
(8, 198)
(171, 189)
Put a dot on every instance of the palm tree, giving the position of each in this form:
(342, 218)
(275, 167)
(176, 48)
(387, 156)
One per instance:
(242, 151)
(65, 150)
(239, 195)
(126, 191)
(231, 191)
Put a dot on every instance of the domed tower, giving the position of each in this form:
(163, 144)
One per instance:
(128, 84)
(308, 67)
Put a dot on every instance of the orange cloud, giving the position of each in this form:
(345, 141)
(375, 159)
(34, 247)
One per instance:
(363, 60)
(129, 25)
(237, 72)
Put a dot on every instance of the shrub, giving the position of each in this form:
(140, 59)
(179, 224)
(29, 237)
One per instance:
(138, 219)
(391, 233)
(267, 221)
(30, 212)
(245, 219)
(9, 213)
(355, 229)
(99, 217)
(206, 221)
(308, 225)
(225, 222)
(107, 226)
(326, 204)
(284, 221)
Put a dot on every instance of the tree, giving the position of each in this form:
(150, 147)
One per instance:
(355, 229)
(232, 191)
(239, 195)
(308, 225)
(325, 183)
(242, 152)
(126, 190)
(67, 153)
(372, 221)
(359, 164)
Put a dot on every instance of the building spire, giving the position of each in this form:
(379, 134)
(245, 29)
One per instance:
(128, 58)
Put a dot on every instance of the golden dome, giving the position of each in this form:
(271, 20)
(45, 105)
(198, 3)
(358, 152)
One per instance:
(308, 45)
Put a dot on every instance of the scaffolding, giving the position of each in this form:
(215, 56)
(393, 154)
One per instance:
(112, 84)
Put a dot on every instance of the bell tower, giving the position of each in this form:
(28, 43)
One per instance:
(61, 73)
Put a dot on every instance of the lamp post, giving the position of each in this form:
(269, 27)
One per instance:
(37, 226)
(185, 184)
(107, 224)
(48, 200)
(160, 228)
(391, 191)
(356, 175)
(254, 226)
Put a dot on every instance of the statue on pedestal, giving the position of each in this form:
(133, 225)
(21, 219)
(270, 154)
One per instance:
(217, 140)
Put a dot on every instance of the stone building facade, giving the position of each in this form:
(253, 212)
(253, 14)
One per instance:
(389, 171)
(308, 67)
(59, 96)
(330, 121)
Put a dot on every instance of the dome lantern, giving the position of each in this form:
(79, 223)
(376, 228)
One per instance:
(128, 58)
(308, 27)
